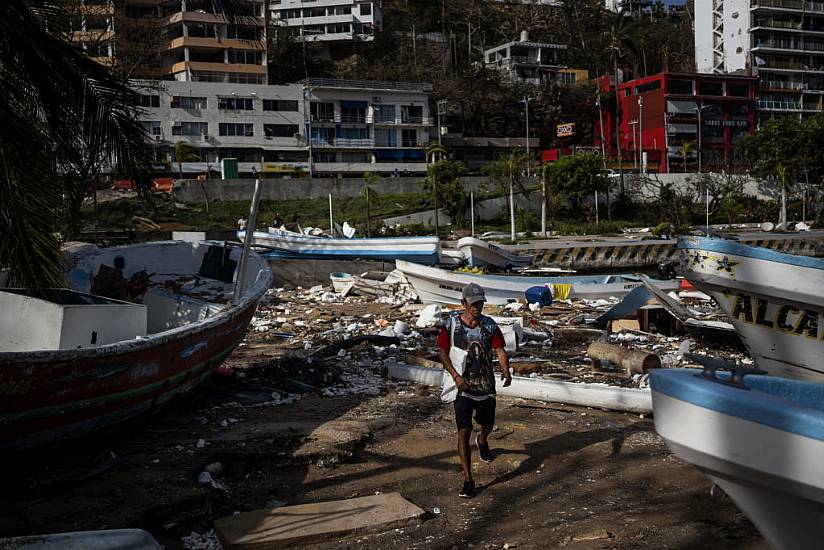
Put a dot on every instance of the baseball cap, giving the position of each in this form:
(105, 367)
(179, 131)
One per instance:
(473, 293)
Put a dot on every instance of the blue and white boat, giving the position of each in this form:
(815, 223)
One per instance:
(286, 244)
(774, 300)
(439, 286)
(759, 438)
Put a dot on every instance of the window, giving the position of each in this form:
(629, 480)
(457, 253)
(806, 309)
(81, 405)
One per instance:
(152, 127)
(353, 157)
(384, 113)
(235, 103)
(386, 137)
(190, 129)
(280, 105)
(337, 28)
(738, 89)
(243, 32)
(240, 78)
(245, 57)
(409, 138)
(711, 88)
(648, 87)
(186, 102)
(149, 101)
(411, 114)
(236, 129)
(366, 9)
(322, 112)
(280, 130)
(680, 87)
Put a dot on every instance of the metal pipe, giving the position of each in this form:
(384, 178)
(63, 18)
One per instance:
(472, 210)
(331, 222)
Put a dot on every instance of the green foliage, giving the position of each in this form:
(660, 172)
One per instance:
(64, 115)
(525, 220)
(445, 177)
(575, 177)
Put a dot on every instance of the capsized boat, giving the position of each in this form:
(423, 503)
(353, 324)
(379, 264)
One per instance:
(480, 253)
(286, 244)
(774, 300)
(434, 285)
(759, 438)
(73, 362)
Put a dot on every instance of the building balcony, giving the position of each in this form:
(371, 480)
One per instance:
(203, 17)
(780, 85)
(788, 5)
(367, 143)
(203, 66)
(221, 43)
(768, 105)
(371, 119)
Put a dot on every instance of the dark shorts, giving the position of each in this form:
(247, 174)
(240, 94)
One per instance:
(484, 412)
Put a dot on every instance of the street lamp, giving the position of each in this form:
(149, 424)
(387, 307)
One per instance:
(632, 124)
(441, 110)
(526, 101)
(698, 110)
(641, 132)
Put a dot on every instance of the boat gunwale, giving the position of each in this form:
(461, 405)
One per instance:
(264, 234)
(233, 310)
(726, 246)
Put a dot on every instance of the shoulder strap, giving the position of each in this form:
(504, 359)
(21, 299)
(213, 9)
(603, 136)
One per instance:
(452, 330)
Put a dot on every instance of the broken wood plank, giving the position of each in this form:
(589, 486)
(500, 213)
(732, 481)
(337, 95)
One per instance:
(311, 523)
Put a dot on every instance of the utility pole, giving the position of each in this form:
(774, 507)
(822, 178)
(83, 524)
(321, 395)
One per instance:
(441, 110)
(603, 147)
(632, 124)
(641, 132)
(699, 109)
(666, 140)
(307, 101)
(526, 101)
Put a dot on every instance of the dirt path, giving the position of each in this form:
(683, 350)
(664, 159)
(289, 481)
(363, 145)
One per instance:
(561, 474)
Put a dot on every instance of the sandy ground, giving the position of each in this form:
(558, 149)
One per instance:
(563, 476)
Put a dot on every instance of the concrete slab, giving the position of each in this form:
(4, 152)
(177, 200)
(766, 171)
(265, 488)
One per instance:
(310, 523)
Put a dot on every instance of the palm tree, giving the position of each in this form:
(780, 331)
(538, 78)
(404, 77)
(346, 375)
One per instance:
(62, 113)
(686, 151)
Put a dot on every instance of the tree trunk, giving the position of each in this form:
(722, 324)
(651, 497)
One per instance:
(782, 220)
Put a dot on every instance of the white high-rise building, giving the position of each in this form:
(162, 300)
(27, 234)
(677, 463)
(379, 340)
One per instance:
(780, 41)
(328, 20)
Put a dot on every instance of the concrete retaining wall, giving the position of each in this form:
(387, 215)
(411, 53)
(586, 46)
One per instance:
(195, 191)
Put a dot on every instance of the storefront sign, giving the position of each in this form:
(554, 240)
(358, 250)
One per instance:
(565, 130)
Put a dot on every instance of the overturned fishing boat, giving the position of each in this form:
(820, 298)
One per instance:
(286, 244)
(439, 286)
(774, 300)
(759, 438)
(73, 362)
(480, 253)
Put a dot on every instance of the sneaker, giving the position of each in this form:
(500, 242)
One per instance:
(483, 450)
(468, 490)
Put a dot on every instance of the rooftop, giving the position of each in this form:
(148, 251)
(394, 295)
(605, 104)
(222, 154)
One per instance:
(341, 83)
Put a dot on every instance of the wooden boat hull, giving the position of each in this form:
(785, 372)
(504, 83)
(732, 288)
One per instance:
(424, 250)
(774, 301)
(761, 446)
(439, 286)
(52, 395)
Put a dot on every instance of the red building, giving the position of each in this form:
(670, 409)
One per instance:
(660, 113)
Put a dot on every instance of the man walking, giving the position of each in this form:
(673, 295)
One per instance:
(478, 335)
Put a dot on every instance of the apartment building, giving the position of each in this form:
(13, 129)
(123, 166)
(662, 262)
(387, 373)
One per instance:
(662, 112)
(327, 21)
(182, 40)
(260, 126)
(780, 41)
(356, 126)
(527, 62)
(361, 126)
